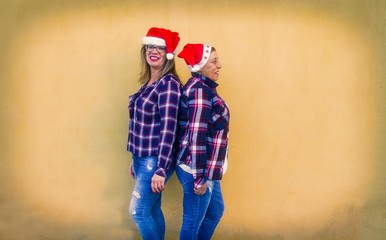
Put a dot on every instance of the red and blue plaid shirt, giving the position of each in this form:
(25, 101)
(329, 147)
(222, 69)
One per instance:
(203, 129)
(153, 121)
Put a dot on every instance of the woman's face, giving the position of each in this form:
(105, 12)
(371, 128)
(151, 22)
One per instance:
(155, 56)
(212, 67)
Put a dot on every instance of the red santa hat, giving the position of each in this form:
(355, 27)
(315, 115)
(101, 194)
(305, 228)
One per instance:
(196, 55)
(162, 37)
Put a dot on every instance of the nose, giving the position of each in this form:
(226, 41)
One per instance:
(219, 64)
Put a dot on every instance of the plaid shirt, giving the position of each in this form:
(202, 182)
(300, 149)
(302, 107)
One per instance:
(203, 130)
(153, 121)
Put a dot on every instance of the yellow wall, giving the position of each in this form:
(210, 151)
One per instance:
(304, 81)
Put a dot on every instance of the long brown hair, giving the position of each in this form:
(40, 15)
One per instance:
(144, 76)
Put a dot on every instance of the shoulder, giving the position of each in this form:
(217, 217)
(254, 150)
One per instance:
(197, 89)
(170, 79)
(194, 84)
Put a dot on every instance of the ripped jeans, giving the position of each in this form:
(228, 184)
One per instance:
(145, 206)
(201, 214)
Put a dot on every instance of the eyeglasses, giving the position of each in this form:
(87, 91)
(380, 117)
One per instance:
(160, 49)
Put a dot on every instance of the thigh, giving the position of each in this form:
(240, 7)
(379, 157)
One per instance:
(143, 198)
(216, 203)
(194, 206)
(145, 167)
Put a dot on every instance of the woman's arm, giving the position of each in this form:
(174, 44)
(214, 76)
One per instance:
(199, 114)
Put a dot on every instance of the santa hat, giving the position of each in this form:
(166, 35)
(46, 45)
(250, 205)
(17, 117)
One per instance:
(163, 37)
(195, 55)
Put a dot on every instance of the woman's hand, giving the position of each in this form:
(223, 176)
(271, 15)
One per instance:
(201, 190)
(131, 169)
(157, 183)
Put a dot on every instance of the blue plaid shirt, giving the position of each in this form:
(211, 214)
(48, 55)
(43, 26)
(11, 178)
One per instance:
(153, 121)
(203, 129)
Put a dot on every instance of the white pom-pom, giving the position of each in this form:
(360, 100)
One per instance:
(169, 56)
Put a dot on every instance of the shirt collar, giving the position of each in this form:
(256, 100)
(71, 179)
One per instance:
(146, 88)
(206, 80)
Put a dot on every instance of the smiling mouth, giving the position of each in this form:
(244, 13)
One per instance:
(154, 58)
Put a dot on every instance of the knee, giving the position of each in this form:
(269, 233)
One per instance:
(218, 212)
(136, 212)
(222, 208)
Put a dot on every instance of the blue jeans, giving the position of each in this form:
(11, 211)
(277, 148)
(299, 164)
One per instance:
(201, 214)
(145, 206)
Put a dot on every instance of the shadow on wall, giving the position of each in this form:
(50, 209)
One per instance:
(302, 150)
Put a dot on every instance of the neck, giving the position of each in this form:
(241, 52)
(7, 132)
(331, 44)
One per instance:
(154, 76)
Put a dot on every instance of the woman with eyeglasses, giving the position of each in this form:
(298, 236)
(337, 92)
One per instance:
(203, 143)
(152, 128)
